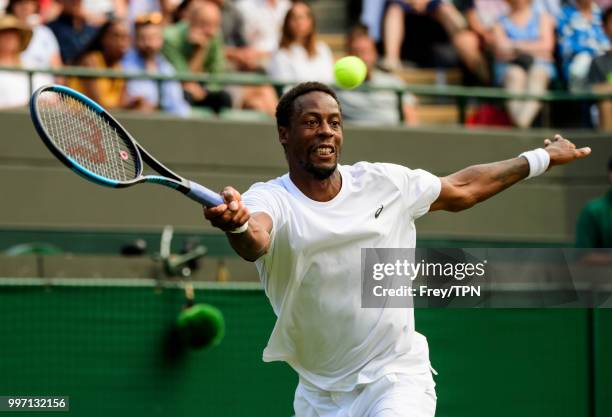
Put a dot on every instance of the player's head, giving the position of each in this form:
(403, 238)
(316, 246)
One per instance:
(309, 123)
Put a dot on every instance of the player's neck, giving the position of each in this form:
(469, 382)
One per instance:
(316, 189)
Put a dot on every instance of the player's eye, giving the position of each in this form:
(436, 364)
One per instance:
(312, 122)
(335, 124)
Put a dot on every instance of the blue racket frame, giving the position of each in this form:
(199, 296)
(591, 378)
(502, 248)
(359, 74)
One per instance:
(167, 178)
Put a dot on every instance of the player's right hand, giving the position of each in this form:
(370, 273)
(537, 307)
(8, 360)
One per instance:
(230, 215)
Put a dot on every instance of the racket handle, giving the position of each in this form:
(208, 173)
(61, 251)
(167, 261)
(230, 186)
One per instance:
(203, 195)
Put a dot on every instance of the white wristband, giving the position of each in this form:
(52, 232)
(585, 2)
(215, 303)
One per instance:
(538, 160)
(240, 229)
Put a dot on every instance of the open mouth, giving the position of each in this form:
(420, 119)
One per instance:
(324, 150)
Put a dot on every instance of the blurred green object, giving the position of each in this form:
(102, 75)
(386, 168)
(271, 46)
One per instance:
(34, 248)
(39, 250)
(201, 325)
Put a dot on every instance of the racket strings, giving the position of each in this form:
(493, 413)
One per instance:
(86, 137)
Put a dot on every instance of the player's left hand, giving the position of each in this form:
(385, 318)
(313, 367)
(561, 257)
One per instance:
(562, 151)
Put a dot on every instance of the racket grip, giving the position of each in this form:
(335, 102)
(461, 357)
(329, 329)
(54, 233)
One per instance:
(203, 195)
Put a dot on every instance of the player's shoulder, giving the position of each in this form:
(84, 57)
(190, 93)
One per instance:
(366, 174)
(269, 197)
(375, 169)
(377, 173)
(271, 187)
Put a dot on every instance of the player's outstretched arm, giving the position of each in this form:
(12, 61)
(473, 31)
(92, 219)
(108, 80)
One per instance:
(250, 242)
(474, 184)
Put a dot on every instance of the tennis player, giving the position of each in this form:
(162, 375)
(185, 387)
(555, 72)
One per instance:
(305, 230)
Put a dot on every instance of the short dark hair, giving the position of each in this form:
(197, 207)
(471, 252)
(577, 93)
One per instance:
(607, 14)
(285, 108)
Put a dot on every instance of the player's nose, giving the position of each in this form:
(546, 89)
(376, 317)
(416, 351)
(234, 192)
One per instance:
(325, 130)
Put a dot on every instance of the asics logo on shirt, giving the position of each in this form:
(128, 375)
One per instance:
(380, 209)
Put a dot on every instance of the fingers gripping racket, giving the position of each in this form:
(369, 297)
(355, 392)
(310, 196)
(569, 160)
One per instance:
(87, 139)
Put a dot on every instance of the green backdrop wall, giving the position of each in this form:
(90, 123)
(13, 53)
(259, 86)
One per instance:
(39, 194)
(107, 348)
(602, 362)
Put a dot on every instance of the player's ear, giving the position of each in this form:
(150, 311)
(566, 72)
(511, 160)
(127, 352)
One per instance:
(283, 135)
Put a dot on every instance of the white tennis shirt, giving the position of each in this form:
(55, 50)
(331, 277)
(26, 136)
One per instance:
(311, 274)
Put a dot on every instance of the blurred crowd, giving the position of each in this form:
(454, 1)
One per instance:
(524, 46)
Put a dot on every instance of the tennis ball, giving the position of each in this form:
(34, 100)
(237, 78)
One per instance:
(201, 325)
(350, 72)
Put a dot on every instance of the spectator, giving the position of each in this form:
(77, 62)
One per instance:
(14, 39)
(195, 46)
(600, 76)
(72, 31)
(147, 57)
(594, 228)
(581, 38)
(455, 25)
(524, 45)
(300, 56)
(106, 52)
(481, 16)
(239, 55)
(43, 50)
(243, 57)
(263, 20)
(380, 107)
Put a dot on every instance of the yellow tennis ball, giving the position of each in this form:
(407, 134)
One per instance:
(350, 72)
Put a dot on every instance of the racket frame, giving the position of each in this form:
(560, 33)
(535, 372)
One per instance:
(167, 178)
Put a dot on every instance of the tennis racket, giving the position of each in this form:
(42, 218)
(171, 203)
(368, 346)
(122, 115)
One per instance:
(88, 140)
